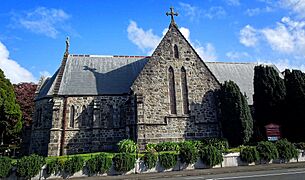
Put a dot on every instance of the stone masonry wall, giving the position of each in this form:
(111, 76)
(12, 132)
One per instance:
(42, 121)
(99, 123)
(156, 123)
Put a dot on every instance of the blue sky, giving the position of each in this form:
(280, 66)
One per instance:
(32, 33)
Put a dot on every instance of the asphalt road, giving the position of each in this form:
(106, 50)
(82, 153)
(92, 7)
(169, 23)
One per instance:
(282, 174)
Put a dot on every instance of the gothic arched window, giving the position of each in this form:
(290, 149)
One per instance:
(84, 116)
(72, 116)
(172, 93)
(176, 52)
(184, 91)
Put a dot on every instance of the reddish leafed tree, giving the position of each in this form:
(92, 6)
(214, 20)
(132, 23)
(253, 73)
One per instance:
(25, 94)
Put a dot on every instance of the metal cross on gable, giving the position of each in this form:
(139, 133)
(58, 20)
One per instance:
(172, 14)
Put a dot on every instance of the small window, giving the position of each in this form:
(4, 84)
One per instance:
(72, 116)
(176, 52)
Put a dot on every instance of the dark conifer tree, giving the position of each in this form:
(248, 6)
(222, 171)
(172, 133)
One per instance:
(269, 97)
(294, 124)
(237, 123)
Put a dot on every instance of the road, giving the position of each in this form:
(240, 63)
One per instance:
(282, 174)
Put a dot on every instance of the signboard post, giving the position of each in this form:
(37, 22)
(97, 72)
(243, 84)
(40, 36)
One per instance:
(273, 132)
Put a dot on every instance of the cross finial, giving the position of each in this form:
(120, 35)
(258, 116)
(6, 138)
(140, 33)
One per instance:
(67, 45)
(172, 14)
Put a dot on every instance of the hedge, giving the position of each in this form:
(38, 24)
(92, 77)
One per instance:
(267, 151)
(150, 159)
(73, 165)
(168, 160)
(167, 146)
(6, 166)
(123, 162)
(286, 150)
(55, 166)
(188, 152)
(100, 163)
(30, 166)
(210, 155)
(249, 154)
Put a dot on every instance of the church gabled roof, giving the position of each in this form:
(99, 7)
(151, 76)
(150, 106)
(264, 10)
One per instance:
(114, 75)
(95, 75)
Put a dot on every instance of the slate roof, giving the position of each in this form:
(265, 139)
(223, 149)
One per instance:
(113, 75)
(241, 73)
(95, 75)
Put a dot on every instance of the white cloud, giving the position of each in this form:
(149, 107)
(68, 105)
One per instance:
(195, 13)
(215, 12)
(44, 21)
(296, 6)
(248, 36)
(279, 38)
(12, 70)
(45, 73)
(206, 52)
(233, 2)
(191, 11)
(237, 55)
(283, 64)
(145, 40)
(257, 11)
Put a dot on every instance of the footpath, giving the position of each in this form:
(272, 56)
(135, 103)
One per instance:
(199, 172)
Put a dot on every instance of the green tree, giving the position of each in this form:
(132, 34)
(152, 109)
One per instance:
(237, 123)
(294, 125)
(269, 97)
(10, 113)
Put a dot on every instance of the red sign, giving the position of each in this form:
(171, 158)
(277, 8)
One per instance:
(273, 132)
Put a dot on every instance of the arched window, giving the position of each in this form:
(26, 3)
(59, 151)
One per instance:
(172, 93)
(184, 91)
(72, 116)
(176, 52)
(84, 116)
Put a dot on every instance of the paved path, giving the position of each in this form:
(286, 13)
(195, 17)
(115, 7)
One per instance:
(293, 171)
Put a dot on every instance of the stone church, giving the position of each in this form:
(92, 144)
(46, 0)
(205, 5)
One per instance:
(92, 102)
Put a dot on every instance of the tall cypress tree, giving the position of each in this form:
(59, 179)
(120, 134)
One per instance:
(294, 124)
(269, 97)
(237, 123)
(10, 113)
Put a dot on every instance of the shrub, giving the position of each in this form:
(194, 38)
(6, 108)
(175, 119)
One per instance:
(98, 164)
(30, 166)
(188, 152)
(150, 147)
(210, 155)
(300, 145)
(127, 146)
(73, 164)
(267, 150)
(249, 154)
(286, 149)
(167, 146)
(150, 159)
(55, 166)
(168, 160)
(220, 143)
(123, 162)
(6, 166)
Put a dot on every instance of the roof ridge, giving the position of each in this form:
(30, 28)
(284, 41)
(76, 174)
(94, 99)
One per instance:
(110, 56)
(219, 62)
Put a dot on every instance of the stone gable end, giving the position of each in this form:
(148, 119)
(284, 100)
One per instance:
(152, 87)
